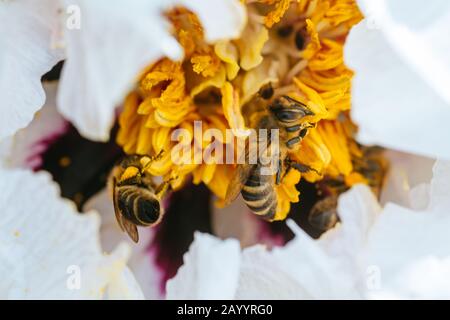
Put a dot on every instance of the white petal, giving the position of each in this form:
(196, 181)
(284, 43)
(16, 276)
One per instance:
(210, 270)
(115, 43)
(393, 103)
(27, 145)
(301, 270)
(415, 31)
(395, 251)
(125, 287)
(333, 267)
(440, 187)
(403, 243)
(261, 278)
(358, 209)
(26, 53)
(427, 278)
(419, 197)
(221, 19)
(48, 250)
(407, 172)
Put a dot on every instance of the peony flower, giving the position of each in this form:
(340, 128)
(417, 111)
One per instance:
(144, 81)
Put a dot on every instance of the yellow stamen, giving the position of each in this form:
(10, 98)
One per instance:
(218, 84)
(275, 16)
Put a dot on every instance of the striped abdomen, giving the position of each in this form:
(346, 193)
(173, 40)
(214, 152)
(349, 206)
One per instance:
(138, 205)
(259, 194)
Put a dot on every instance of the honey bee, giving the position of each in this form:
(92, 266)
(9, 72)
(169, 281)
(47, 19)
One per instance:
(257, 188)
(323, 215)
(371, 165)
(137, 199)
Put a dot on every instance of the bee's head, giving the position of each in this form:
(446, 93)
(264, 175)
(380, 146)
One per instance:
(289, 111)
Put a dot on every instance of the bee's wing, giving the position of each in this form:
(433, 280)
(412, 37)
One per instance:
(241, 175)
(116, 206)
(125, 225)
(131, 229)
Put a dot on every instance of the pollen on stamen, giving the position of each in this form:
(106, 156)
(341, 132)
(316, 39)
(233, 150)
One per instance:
(288, 48)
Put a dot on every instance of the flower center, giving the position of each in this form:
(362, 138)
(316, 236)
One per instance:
(290, 49)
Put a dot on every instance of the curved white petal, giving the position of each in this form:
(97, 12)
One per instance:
(210, 270)
(358, 210)
(427, 278)
(402, 68)
(221, 19)
(411, 248)
(392, 104)
(261, 278)
(115, 42)
(25, 148)
(26, 53)
(416, 33)
(124, 287)
(48, 250)
(300, 270)
(406, 175)
(440, 187)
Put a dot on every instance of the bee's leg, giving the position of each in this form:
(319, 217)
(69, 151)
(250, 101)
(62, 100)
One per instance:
(302, 131)
(158, 156)
(279, 169)
(299, 127)
(295, 140)
(302, 168)
(295, 128)
(292, 142)
(163, 187)
(288, 167)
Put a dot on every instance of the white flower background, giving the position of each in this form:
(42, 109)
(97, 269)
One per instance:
(398, 248)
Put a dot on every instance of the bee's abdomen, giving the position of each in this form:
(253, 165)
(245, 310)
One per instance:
(139, 205)
(259, 194)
